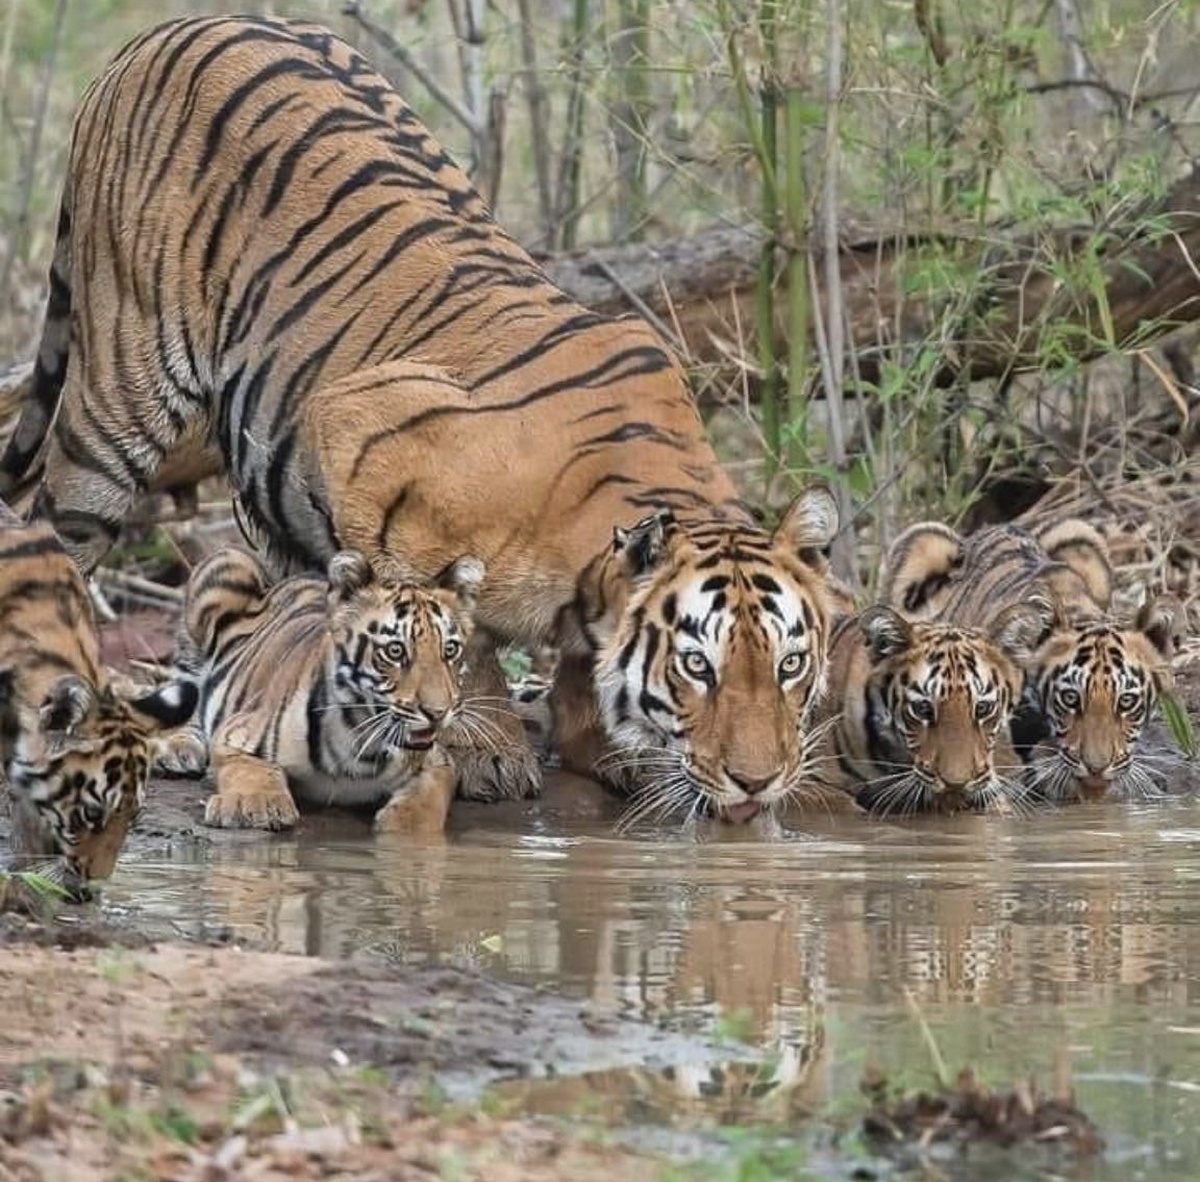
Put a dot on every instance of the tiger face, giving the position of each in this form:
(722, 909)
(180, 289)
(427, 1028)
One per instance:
(1092, 688)
(77, 769)
(400, 648)
(707, 682)
(926, 709)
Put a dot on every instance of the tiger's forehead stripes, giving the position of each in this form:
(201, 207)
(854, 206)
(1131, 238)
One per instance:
(953, 663)
(733, 609)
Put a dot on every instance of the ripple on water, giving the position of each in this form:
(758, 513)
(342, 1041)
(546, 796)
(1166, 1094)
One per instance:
(1074, 931)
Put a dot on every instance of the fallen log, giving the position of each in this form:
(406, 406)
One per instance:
(1010, 311)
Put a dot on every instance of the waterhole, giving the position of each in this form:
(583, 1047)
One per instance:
(1060, 946)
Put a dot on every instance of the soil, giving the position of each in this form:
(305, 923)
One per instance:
(184, 1062)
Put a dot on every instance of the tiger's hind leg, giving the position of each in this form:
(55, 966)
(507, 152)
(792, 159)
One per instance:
(106, 446)
(488, 741)
(250, 793)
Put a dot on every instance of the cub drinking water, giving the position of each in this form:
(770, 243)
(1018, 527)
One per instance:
(76, 753)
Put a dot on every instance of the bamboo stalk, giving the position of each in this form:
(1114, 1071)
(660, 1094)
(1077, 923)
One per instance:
(764, 303)
(571, 159)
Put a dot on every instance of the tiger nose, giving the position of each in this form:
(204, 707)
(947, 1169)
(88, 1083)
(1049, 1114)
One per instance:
(435, 715)
(750, 785)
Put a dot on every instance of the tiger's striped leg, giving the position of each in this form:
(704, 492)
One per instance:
(422, 805)
(92, 476)
(487, 741)
(250, 793)
(577, 734)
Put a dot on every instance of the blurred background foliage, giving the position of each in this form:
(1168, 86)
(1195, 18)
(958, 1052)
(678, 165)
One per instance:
(948, 144)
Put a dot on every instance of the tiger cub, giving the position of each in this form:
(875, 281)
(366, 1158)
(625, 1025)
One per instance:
(1092, 683)
(332, 690)
(916, 713)
(76, 753)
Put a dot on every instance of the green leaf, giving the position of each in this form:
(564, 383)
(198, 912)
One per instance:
(1179, 724)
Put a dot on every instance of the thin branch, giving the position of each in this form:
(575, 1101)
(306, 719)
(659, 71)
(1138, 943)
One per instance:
(354, 10)
(535, 96)
(29, 170)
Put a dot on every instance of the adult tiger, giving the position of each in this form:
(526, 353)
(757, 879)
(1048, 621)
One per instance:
(261, 249)
(76, 753)
(336, 690)
(917, 712)
(1091, 683)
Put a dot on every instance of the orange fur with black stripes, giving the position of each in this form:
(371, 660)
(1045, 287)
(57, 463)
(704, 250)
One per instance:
(1092, 682)
(261, 248)
(333, 690)
(76, 753)
(917, 712)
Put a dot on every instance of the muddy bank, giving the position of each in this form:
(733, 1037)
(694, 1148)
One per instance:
(177, 1062)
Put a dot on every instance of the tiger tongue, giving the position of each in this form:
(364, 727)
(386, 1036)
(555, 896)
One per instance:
(741, 812)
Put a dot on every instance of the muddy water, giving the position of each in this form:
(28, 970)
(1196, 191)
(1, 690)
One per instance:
(1071, 939)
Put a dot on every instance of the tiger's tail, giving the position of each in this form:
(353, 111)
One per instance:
(21, 464)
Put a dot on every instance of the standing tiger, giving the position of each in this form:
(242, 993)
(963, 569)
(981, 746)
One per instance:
(261, 250)
(337, 690)
(1091, 683)
(76, 754)
(917, 712)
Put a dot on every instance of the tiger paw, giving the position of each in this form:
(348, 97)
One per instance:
(511, 774)
(185, 753)
(422, 814)
(251, 810)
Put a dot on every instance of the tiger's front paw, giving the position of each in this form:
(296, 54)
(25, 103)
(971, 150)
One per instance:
(421, 813)
(184, 753)
(251, 809)
(509, 774)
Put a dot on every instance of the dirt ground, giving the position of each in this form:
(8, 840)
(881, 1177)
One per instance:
(209, 1063)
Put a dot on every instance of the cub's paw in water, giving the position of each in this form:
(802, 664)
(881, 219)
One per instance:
(251, 810)
(250, 795)
(421, 808)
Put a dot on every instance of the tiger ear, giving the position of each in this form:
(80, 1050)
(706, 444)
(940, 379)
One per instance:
(168, 705)
(886, 632)
(465, 577)
(1163, 622)
(66, 705)
(1021, 627)
(919, 564)
(809, 526)
(644, 545)
(349, 571)
(1081, 548)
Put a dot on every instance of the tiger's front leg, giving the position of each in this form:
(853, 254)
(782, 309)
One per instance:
(487, 740)
(421, 806)
(577, 733)
(250, 793)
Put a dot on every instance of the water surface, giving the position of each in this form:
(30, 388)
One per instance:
(1068, 941)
